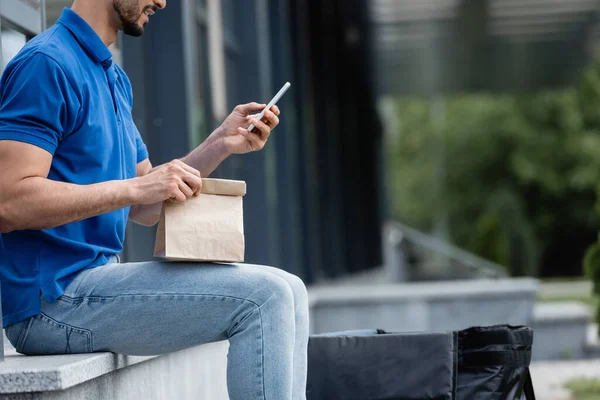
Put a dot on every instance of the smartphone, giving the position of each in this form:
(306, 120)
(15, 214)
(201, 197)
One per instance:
(273, 101)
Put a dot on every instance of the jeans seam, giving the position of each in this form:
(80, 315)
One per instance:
(262, 353)
(81, 279)
(52, 321)
(86, 332)
(262, 348)
(23, 335)
(75, 300)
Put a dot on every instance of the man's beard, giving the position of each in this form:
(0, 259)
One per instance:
(129, 14)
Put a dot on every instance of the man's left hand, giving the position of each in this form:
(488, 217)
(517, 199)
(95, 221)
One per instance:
(234, 132)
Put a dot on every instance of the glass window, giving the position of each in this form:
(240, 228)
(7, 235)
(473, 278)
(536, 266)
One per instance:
(33, 3)
(54, 9)
(12, 42)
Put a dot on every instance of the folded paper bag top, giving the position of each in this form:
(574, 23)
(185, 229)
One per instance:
(223, 187)
(209, 227)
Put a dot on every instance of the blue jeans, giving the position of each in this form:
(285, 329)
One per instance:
(152, 308)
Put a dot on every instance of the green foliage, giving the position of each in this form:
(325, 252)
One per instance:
(592, 265)
(513, 174)
(507, 236)
(584, 389)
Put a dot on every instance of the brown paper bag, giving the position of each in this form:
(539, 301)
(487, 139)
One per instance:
(209, 227)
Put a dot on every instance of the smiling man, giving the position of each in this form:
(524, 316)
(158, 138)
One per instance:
(75, 169)
(130, 19)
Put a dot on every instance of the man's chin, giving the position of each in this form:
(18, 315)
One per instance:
(133, 30)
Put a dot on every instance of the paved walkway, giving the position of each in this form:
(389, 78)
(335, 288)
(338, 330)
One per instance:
(565, 289)
(550, 377)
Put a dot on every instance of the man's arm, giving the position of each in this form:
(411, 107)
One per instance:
(147, 215)
(230, 138)
(205, 158)
(29, 200)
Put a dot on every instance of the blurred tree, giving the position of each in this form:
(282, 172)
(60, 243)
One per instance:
(520, 174)
(589, 95)
(592, 262)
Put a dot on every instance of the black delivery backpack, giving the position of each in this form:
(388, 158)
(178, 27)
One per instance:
(481, 363)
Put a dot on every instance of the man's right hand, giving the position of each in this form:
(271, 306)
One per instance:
(175, 180)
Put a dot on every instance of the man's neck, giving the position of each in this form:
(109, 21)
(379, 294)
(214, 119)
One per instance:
(97, 15)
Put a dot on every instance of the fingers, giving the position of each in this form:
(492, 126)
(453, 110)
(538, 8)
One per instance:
(256, 142)
(270, 119)
(249, 108)
(261, 129)
(186, 167)
(187, 173)
(185, 189)
(189, 185)
(193, 182)
(182, 181)
(177, 195)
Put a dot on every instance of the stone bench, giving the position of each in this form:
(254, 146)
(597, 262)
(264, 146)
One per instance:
(199, 372)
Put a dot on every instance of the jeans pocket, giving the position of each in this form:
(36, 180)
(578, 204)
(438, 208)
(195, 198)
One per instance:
(45, 336)
(15, 331)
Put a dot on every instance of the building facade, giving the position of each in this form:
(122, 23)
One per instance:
(314, 199)
(20, 20)
(314, 203)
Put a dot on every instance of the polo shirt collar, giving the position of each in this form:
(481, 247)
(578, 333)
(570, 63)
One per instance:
(85, 35)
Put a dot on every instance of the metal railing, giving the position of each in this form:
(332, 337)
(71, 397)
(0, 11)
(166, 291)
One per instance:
(435, 251)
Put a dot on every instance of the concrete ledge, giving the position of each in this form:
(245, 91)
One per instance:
(199, 372)
(21, 374)
(412, 307)
(434, 291)
(560, 330)
(566, 312)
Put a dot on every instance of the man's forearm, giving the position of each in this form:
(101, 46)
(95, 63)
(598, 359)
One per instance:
(39, 203)
(146, 214)
(207, 157)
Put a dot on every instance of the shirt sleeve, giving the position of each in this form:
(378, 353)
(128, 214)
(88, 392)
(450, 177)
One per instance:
(142, 150)
(38, 104)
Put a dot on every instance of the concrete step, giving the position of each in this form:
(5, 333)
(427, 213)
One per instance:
(592, 348)
(561, 330)
(551, 377)
(198, 372)
(421, 307)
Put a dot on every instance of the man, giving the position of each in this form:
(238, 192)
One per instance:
(74, 169)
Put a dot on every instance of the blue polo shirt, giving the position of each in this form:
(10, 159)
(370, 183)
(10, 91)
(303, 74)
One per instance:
(63, 94)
